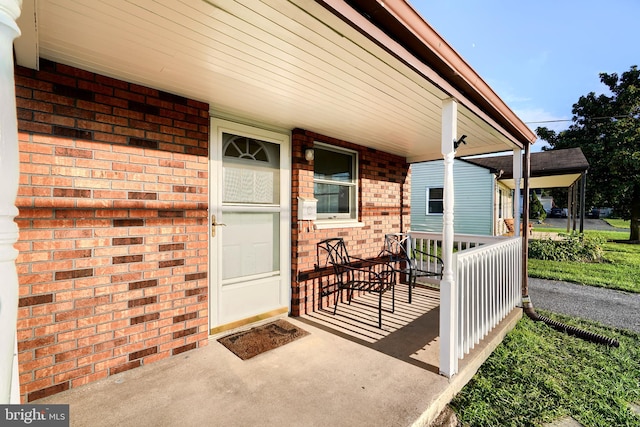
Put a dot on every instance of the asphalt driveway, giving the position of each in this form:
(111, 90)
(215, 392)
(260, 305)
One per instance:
(589, 224)
(610, 307)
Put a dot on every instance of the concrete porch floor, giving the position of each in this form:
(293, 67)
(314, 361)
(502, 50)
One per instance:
(346, 372)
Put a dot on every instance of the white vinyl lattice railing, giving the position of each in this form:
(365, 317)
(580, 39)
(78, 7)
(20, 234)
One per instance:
(488, 287)
(488, 273)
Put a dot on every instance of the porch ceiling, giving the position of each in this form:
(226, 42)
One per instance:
(283, 63)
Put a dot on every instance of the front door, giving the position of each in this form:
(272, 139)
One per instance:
(249, 223)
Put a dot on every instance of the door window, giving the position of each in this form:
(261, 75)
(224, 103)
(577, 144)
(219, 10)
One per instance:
(251, 171)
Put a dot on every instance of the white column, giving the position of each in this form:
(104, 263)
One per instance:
(448, 294)
(517, 180)
(569, 207)
(9, 167)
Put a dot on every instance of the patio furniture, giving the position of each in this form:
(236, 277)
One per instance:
(397, 247)
(510, 224)
(356, 274)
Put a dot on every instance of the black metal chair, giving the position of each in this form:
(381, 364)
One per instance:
(355, 274)
(397, 247)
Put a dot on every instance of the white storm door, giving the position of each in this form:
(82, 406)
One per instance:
(250, 222)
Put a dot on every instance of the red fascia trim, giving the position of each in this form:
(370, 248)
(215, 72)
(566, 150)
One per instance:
(412, 20)
(457, 68)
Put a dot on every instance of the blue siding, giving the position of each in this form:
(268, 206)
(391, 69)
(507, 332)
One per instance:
(473, 203)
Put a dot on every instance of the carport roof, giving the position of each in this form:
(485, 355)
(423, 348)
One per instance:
(548, 169)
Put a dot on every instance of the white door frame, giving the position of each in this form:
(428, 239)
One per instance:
(219, 126)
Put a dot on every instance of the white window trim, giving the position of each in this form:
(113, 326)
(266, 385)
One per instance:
(325, 221)
(428, 193)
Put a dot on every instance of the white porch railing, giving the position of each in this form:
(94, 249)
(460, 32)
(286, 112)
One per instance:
(486, 288)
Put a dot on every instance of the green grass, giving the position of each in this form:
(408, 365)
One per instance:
(538, 375)
(618, 223)
(619, 268)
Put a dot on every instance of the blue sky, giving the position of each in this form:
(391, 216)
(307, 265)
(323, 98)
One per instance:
(540, 56)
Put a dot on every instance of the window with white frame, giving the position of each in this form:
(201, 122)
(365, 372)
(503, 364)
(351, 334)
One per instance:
(335, 182)
(435, 196)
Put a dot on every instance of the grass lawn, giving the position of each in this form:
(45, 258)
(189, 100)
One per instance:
(538, 375)
(618, 270)
(618, 223)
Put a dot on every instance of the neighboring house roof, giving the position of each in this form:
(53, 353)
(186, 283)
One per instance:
(548, 169)
(369, 72)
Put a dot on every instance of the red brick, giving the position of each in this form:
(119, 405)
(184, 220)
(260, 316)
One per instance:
(95, 339)
(35, 343)
(125, 367)
(35, 300)
(111, 344)
(95, 358)
(109, 363)
(115, 325)
(77, 382)
(73, 354)
(184, 348)
(95, 320)
(47, 391)
(75, 373)
(35, 364)
(66, 266)
(76, 333)
(54, 328)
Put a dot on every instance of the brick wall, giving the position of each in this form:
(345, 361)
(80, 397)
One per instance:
(113, 227)
(384, 207)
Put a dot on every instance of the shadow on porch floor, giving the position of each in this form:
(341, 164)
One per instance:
(409, 334)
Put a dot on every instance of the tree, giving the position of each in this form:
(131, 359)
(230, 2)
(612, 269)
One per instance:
(607, 129)
(536, 210)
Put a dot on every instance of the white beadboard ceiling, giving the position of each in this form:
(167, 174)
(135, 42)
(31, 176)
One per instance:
(551, 181)
(283, 63)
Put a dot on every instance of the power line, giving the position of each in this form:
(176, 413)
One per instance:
(548, 121)
(570, 120)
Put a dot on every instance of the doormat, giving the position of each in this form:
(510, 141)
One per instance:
(247, 344)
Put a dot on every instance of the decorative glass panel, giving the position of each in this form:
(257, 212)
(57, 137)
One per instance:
(245, 148)
(251, 171)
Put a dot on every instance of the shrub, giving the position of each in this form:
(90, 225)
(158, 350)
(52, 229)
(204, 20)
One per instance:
(536, 210)
(574, 247)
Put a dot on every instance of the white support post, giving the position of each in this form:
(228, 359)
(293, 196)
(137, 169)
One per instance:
(9, 173)
(517, 180)
(569, 206)
(448, 294)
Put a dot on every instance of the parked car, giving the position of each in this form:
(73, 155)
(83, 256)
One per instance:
(557, 213)
(594, 213)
